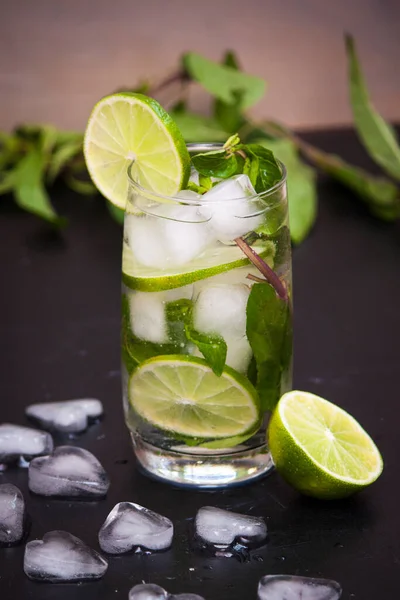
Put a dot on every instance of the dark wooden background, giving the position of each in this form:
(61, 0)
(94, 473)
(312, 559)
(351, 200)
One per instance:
(57, 58)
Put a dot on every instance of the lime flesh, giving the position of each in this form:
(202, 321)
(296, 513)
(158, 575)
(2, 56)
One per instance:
(214, 260)
(320, 449)
(182, 395)
(128, 128)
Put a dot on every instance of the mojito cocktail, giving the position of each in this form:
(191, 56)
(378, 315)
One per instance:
(206, 294)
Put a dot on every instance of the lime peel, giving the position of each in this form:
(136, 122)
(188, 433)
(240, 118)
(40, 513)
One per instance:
(320, 449)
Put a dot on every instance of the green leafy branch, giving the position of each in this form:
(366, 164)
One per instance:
(33, 157)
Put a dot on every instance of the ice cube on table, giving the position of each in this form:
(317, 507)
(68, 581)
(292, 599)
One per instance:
(221, 309)
(232, 209)
(22, 442)
(68, 471)
(69, 416)
(62, 557)
(12, 515)
(186, 597)
(150, 591)
(221, 528)
(293, 587)
(130, 526)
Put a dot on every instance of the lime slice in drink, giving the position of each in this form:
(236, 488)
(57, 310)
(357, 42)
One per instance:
(183, 396)
(320, 449)
(212, 261)
(128, 127)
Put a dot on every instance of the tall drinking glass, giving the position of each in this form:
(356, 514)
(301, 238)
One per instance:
(206, 328)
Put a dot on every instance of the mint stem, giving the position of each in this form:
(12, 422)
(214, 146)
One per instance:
(174, 78)
(270, 276)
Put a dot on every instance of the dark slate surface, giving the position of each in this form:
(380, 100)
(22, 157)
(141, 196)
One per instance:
(59, 338)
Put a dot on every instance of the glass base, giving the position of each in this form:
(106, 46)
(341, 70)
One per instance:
(203, 469)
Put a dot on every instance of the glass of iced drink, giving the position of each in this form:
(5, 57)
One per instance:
(206, 325)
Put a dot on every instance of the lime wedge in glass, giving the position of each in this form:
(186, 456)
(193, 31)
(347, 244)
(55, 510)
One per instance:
(212, 261)
(183, 396)
(320, 449)
(127, 127)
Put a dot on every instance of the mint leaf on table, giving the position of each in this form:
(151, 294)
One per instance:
(377, 136)
(302, 188)
(224, 82)
(268, 328)
(80, 186)
(380, 194)
(29, 189)
(197, 128)
(215, 164)
(62, 156)
(229, 114)
(117, 213)
(212, 347)
(261, 167)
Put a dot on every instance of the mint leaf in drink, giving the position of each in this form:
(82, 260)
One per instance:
(216, 164)
(268, 328)
(205, 182)
(212, 347)
(181, 330)
(197, 128)
(261, 167)
(377, 136)
(134, 350)
(224, 82)
(193, 187)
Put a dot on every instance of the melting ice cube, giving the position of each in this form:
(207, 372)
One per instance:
(293, 587)
(171, 236)
(230, 210)
(69, 471)
(12, 515)
(147, 312)
(70, 416)
(61, 556)
(17, 442)
(186, 233)
(221, 528)
(130, 526)
(221, 309)
(150, 591)
(147, 316)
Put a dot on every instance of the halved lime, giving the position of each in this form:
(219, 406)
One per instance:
(182, 395)
(320, 449)
(212, 261)
(128, 127)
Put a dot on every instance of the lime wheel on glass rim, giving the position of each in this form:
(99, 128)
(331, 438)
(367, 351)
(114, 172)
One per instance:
(127, 128)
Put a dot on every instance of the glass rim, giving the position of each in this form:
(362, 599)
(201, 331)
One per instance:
(198, 147)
